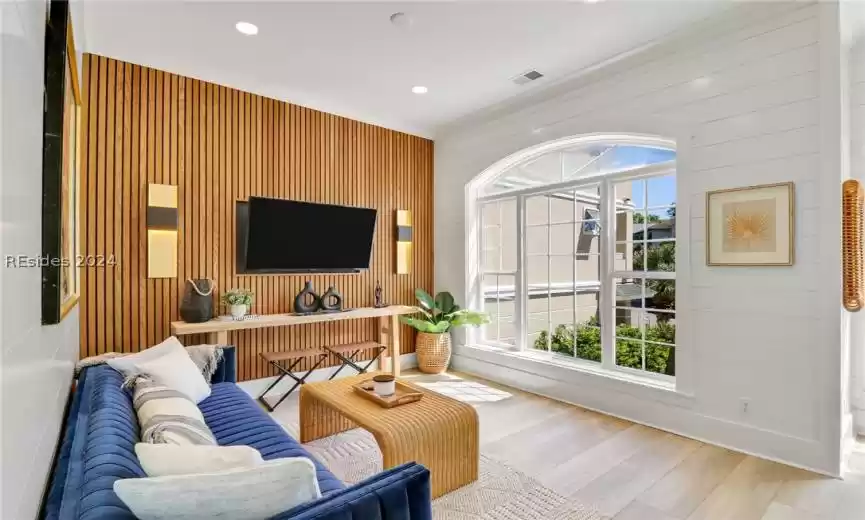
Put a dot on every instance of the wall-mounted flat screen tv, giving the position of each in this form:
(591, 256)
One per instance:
(289, 236)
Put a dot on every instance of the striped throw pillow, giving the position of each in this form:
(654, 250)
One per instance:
(168, 416)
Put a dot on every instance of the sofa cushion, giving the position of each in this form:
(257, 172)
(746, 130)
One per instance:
(235, 419)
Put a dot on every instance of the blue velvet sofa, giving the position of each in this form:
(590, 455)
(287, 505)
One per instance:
(101, 431)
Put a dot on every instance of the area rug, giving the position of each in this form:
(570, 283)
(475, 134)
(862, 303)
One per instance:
(500, 493)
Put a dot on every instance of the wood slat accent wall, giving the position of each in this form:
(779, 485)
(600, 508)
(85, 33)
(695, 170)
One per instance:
(219, 145)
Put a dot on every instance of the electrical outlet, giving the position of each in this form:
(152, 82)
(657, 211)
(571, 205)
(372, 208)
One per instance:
(745, 404)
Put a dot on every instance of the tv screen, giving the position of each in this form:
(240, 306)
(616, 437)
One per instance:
(285, 236)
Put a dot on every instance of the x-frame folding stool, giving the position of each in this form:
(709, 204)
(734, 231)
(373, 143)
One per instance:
(275, 360)
(344, 353)
(353, 350)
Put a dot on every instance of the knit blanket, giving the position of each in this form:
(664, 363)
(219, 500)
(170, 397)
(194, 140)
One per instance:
(205, 357)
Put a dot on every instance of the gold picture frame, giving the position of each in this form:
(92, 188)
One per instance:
(751, 226)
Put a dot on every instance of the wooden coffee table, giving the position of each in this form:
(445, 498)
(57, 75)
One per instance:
(439, 432)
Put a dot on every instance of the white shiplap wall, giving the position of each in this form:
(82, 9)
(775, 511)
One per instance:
(35, 361)
(855, 14)
(745, 95)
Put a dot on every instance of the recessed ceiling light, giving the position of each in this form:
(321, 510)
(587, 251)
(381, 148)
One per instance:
(401, 20)
(592, 1)
(247, 28)
(418, 89)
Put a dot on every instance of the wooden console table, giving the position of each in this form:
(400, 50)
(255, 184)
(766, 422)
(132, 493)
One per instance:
(388, 328)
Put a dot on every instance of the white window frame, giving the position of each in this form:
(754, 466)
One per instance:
(608, 275)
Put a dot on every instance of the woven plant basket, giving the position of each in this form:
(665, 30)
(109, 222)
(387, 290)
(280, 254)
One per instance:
(433, 352)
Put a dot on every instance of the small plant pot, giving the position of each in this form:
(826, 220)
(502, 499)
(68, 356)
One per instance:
(238, 311)
(433, 352)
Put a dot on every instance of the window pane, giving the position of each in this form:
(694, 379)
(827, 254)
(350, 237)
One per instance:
(660, 359)
(654, 256)
(537, 239)
(561, 207)
(562, 239)
(499, 303)
(508, 235)
(629, 293)
(537, 210)
(629, 353)
(562, 273)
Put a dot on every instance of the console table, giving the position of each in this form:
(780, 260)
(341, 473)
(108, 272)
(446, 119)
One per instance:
(388, 326)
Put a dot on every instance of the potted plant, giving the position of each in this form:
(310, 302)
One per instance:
(437, 316)
(238, 301)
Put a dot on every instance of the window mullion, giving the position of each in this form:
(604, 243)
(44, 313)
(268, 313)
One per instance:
(607, 299)
(521, 293)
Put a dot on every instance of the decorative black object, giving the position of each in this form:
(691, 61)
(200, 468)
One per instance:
(378, 301)
(197, 304)
(331, 300)
(300, 300)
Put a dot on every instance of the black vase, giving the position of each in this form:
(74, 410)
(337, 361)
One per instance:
(197, 303)
(331, 300)
(300, 301)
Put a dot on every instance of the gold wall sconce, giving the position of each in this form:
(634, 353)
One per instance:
(403, 241)
(161, 231)
(852, 228)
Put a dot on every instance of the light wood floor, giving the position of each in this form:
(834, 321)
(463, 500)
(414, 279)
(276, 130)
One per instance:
(632, 472)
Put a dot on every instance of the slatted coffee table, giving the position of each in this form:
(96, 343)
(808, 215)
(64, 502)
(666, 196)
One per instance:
(439, 432)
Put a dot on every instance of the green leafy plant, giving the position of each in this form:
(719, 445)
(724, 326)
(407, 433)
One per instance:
(238, 297)
(440, 314)
(629, 353)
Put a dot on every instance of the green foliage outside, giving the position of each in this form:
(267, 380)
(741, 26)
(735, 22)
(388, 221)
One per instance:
(587, 341)
(639, 218)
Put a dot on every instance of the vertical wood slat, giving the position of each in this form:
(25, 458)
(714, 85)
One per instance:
(220, 145)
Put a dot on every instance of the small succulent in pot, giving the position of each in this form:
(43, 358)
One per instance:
(239, 301)
(437, 316)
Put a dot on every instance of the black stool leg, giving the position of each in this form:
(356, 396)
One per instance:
(300, 381)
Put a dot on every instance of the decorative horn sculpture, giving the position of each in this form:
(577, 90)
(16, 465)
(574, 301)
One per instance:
(852, 197)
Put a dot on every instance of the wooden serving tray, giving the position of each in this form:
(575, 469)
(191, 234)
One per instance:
(404, 394)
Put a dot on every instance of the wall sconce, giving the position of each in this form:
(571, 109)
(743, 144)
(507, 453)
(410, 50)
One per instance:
(403, 241)
(161, 231)
(853, 234)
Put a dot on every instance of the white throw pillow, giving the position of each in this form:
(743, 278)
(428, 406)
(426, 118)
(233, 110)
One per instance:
(126, 365)
(169, 364)
(159, 460)
(240, 494)
(168, 416)
(177, 371)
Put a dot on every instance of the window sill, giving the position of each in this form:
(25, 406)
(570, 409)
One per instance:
(560, 368)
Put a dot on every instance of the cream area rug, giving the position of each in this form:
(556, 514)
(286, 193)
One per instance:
(500, 493)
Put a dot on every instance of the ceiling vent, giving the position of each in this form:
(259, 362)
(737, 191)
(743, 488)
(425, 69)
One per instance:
(527, 77)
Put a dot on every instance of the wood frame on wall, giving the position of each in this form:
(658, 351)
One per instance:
(791, 193)
(60, 169)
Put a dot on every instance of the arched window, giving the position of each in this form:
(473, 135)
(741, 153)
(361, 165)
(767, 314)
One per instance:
(572, 251)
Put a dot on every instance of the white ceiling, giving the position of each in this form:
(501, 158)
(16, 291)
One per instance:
(347, 58)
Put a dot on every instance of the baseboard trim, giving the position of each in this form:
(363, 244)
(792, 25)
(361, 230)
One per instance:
(255, 387)
(765, 444)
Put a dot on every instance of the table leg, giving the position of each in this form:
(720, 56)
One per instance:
(317, 420)
(394, 344)
(217, 338)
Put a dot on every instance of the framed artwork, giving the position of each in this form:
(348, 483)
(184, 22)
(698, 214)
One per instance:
(60, 169)
(752, 226)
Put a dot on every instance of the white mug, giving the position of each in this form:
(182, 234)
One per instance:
(384, 386)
